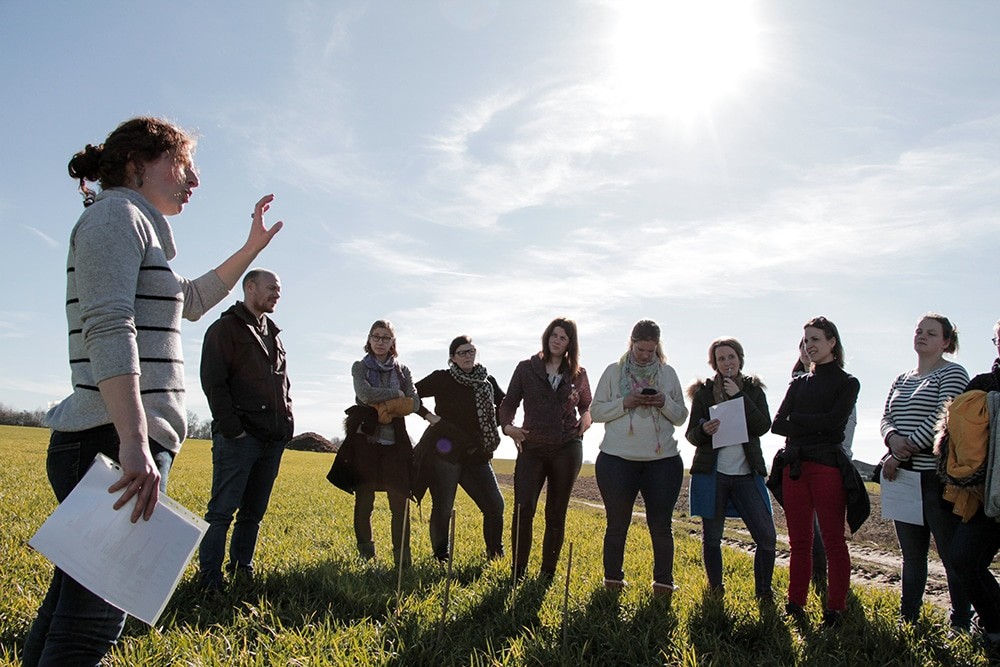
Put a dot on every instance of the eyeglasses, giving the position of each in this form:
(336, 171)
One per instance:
(996, 340)
(471, 352)
(380, 339)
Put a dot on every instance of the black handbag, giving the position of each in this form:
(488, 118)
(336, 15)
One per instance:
(343, 473)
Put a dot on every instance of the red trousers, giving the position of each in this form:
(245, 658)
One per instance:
(820, 490)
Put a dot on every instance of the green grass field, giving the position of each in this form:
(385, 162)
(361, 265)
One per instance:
(316, 603)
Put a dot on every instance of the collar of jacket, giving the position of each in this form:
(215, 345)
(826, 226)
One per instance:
(240, 310)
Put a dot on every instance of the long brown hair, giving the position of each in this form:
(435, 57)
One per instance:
(829, 330)
(570, 363)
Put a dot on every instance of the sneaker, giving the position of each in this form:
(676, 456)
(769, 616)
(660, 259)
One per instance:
(240, 573)
(664, 590)
(614, 585)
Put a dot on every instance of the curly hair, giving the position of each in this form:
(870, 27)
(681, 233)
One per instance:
(135, 142)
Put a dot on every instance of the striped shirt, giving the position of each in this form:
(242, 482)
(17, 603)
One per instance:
(124, 306)
(914, 405)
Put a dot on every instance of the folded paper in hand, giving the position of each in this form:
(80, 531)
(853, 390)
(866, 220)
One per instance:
(133, 566)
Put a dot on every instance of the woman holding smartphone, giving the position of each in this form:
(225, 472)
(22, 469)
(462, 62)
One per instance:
(639, 399)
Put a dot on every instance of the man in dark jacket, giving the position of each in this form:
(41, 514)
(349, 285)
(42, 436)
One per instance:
(244, 376)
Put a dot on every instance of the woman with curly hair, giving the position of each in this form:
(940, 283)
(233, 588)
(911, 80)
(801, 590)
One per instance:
(124, 306)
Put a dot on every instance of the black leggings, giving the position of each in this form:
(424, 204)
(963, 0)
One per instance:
(560, 467)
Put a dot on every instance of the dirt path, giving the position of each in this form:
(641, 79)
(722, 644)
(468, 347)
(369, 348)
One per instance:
(875, 556)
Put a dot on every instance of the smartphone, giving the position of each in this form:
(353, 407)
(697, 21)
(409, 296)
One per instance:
(648, 391)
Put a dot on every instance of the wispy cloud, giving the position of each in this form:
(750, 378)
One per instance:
(510, 151)
(867, 220)
(395, 254)
(52, 243)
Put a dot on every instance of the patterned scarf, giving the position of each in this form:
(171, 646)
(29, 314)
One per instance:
(375, 368)
(486, 408)
(640, 376)
(718, 387)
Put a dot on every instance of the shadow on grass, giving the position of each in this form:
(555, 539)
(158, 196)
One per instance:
(344, 593)
(337, 590)
(875, 636)
(739, 633)
(608, 630)
(482, 631)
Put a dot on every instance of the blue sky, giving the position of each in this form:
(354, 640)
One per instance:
(481, 167)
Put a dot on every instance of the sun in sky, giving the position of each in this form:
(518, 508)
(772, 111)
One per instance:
(676, 57)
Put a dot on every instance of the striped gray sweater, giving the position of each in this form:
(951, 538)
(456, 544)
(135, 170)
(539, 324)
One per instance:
(124, 306)
(914, 405)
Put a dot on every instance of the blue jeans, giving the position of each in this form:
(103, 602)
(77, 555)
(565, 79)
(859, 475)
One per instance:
(533, 468)
(73, 625)
(973, 548)
(745, 495)
(243, 474)
(620, 481)
(914, 542)
(480, 482)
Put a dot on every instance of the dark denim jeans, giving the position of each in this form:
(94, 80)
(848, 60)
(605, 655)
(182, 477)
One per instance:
(74, 626)
(659, 482)
(746, 498)
(243, 474)
(973, 548)
(531, 471)
(914, 542)
(480, 482)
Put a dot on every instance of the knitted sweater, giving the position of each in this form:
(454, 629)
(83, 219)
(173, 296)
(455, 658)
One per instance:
(914, 405)
(124, 306)
(643, 433)
(370, 394)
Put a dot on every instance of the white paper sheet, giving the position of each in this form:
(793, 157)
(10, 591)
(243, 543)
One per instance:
(133, 566)
(732, 416)
(901, 499)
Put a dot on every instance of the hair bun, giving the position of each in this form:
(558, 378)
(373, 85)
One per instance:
(85, 165)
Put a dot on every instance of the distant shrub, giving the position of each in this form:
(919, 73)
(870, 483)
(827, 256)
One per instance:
(313, 442)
